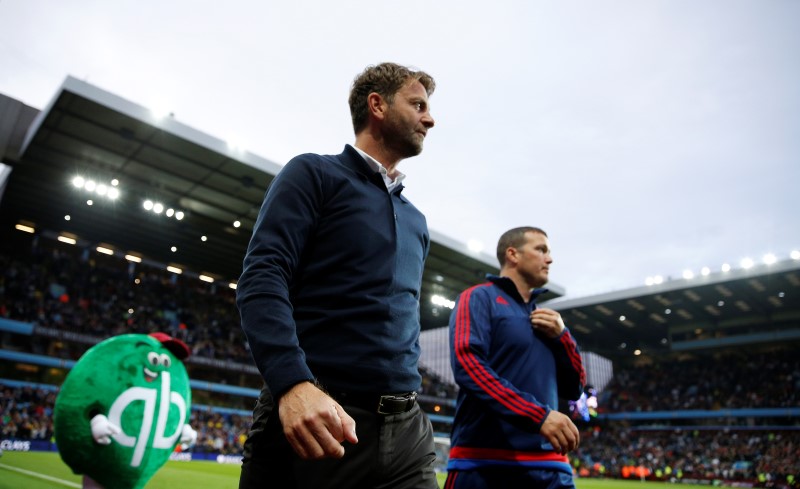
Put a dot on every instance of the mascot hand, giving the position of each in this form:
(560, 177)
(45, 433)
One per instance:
(103, 429)
(188, 437)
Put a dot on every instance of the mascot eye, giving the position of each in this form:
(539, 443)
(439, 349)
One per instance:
(165, 361)
(152, 357)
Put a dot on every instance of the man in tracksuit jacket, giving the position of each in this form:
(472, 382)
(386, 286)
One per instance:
(512, 362)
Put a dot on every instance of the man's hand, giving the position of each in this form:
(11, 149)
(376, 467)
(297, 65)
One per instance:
(547, 321)
(561, 432)
(314, 423)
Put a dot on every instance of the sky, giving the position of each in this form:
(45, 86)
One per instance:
(645, 136)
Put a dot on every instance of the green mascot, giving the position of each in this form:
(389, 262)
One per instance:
(123, 409)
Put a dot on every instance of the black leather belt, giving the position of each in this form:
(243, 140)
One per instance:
(381, 404)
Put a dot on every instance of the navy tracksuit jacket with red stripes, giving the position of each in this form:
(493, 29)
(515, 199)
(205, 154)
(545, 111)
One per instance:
(510, 377)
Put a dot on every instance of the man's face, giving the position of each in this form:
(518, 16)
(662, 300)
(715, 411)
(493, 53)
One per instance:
(408, 119)
(534, 259)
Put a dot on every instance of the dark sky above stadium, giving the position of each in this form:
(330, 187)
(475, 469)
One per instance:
(645, 137)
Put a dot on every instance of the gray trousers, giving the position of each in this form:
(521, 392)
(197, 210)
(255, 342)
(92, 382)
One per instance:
(393, 452)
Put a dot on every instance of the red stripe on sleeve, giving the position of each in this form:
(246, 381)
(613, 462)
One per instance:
(478, 373)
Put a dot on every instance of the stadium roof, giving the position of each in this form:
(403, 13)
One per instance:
(733, 309)
(91, 133)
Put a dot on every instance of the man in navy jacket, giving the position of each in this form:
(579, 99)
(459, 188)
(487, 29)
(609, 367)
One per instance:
(329, 300)
(512, 362)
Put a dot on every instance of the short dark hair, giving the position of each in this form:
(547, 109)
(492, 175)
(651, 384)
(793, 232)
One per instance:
(514, 238)
(385, 79)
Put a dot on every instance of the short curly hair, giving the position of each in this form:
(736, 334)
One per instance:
(385, 79)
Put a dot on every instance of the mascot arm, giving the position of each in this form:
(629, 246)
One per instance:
(103, 429)
(188, 437)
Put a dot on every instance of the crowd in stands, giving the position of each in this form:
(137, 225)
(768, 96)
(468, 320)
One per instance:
(434, 386)
(26, 413)
(219, 433)
(702, 455)
(731, 381)
(82, 292)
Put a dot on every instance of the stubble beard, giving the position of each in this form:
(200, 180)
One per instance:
(401, 140)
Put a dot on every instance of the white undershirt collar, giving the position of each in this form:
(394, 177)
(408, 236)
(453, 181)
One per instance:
(376, 165)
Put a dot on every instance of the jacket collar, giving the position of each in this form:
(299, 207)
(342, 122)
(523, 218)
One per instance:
(509, 287)
(352, 159)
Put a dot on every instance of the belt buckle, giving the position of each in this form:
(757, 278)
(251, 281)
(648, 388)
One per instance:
(408, 399)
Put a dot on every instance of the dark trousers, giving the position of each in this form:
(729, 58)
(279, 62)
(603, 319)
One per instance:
(492, 478)
(393, 452)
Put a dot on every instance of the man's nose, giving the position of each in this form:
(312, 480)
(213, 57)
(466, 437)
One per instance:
(427, 120)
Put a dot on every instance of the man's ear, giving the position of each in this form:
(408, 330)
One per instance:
(511, 255)
(376, 106)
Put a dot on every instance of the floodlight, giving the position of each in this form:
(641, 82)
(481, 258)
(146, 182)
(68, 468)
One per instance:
(442, 301)
(688, 274)
(203, 238)
(705, 271)
(658, 279)
(148, 205)
(769, 259)
(101, 189)
(175, 270)
(115, 182)
(170, 212)
(622, 318)
(24, 228)
(747, 263)
(179, 215)
(158, 208)
(67, 239)
(90, 185)
(726, 267)
(237, 223)
(232, 285)
(67, 217)
(649, 281)
(206, 278)
(174, 249)
(795, 254)
(90, 202)
(104, 250)
(78, 182)
(113, 193)
(133, 258)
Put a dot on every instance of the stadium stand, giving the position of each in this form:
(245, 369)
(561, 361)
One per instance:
(736, 422)
(705, 372)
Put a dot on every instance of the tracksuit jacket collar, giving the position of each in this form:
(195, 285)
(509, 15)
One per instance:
(509, 287)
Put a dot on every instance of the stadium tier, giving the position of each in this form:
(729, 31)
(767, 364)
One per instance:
(693, 379)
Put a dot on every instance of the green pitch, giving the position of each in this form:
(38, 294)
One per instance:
(45, 470)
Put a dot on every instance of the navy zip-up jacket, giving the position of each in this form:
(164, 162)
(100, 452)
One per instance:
(331, 280)
(510, 377)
